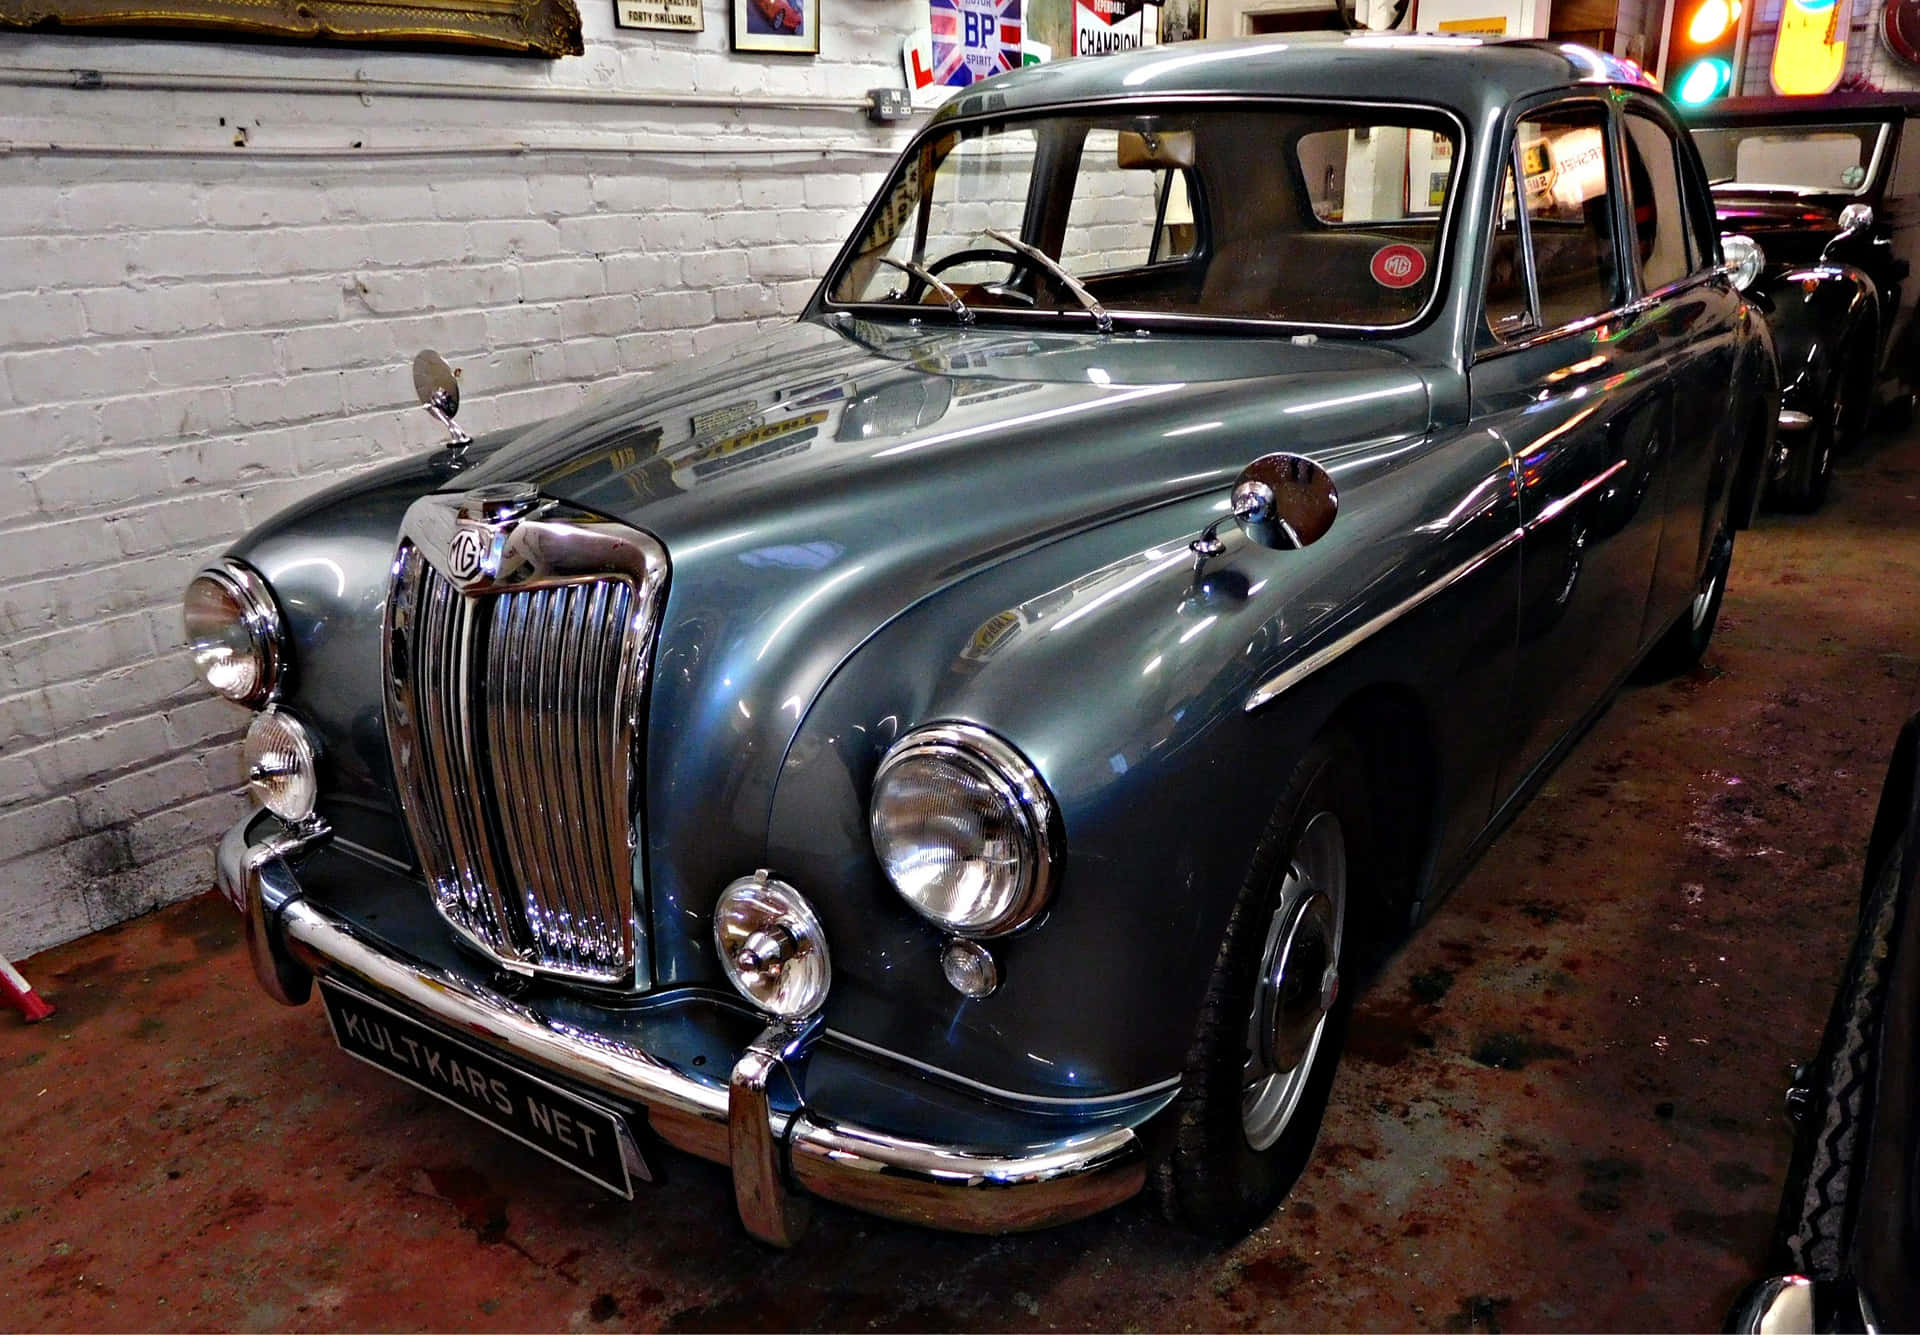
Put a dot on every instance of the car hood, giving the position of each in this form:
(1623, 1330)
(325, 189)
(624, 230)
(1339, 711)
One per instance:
(1791, 228)
(816, 481)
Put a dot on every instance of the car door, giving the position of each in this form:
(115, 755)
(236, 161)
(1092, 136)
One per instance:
(1688, 315)
(1571, 381)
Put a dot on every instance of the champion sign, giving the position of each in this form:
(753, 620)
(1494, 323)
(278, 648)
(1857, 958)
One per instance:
(1398, 265)
(1101, 27)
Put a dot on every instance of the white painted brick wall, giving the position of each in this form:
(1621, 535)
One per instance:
(194, 335)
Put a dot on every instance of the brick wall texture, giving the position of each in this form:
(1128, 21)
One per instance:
(194, 334)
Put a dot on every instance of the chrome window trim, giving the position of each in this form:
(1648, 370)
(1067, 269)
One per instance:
(1630, 310)
(1444, 259)
(1631, 305)
(1292, 675)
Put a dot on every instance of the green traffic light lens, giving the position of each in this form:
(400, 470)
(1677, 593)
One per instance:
(1704, 81)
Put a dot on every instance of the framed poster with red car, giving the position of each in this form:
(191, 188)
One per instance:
(788, 27)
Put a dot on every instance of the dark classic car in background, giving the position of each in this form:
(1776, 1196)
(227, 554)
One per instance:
(951, 754)
(1830, 188)
(1849, 1225)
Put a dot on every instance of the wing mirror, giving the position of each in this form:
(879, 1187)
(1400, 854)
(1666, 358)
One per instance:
(1854, 219)
(1744, 259)
(439, 390)
(1281, 501)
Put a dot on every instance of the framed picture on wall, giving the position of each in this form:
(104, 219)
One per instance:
(1183, 20)
(787, 27)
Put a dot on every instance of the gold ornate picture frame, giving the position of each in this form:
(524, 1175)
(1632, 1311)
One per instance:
(548, 28)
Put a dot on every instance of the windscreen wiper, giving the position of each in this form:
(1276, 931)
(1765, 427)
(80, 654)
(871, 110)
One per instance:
(1067, 280)
(927, 276)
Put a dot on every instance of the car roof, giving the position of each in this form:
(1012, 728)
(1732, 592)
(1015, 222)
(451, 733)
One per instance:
(1456, 72)
(1809, 110)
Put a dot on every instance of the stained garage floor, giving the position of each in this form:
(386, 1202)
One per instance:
(1560, 1107)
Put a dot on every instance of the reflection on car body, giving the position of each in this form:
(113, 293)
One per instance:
(959, 762)
(1830, 188)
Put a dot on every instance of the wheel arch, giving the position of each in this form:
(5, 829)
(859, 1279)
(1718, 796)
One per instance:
(1394, 731)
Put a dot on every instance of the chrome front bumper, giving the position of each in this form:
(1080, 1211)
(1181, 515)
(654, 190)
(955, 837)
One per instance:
(777, 1158)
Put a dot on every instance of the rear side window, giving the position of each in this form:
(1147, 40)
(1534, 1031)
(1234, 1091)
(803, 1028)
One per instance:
(1568, 199)
(1662, 247)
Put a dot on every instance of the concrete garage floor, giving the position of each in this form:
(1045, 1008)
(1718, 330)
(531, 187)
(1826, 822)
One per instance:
(1560, 1107)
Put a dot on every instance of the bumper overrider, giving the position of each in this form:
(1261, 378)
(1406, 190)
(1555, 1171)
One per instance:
(779, 1155)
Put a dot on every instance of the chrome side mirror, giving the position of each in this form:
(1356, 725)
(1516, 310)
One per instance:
(1281, 501)
(1854, 219)
(1744, 259)
(439, 391)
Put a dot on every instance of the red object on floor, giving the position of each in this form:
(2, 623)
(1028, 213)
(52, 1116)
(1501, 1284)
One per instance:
(20, 992)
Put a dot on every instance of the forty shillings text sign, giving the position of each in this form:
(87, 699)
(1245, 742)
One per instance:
(672, 15)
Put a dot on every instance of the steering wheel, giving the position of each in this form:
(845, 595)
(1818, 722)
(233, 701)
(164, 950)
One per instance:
(1004, 290)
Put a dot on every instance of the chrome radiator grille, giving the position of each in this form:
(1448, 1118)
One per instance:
(514, 708)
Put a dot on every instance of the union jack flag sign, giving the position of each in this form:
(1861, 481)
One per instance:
(973, 39)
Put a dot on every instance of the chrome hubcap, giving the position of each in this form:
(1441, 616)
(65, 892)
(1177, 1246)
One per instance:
(1299, 982)
(1703, 600)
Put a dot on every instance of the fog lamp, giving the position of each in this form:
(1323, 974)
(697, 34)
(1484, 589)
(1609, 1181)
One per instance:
(771, 946)
(282, 766)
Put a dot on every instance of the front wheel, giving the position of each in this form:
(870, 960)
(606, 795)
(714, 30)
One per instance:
(1274, 1019)
(1810, 472)
(1681, 648)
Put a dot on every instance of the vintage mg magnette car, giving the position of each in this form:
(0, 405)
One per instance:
(1830, 188)
(950, 754)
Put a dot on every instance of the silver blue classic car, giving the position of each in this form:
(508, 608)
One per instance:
(953, 754)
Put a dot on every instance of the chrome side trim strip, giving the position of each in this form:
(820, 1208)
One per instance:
(1554, 509)
(1288, 677)
(1010, 1096)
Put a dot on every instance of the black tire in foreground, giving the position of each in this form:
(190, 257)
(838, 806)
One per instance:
(1274, 1019)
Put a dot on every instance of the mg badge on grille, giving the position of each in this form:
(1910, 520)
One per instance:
(467, 552)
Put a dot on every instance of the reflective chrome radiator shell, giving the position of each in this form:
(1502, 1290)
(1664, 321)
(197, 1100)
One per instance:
(517, 642)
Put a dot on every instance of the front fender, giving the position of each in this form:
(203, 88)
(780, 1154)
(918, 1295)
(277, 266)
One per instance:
(1811, 311)
(1127, 684)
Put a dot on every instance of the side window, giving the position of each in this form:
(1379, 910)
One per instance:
(1509, 304)
(1123, 196)
(1660, 241)
(1568, 201)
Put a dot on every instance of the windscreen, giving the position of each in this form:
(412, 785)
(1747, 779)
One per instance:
(1832, 158)
(1317, 216)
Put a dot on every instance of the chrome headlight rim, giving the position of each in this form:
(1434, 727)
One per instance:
(1746, 261)
(297, 738)
(1016, 780)
(260, 618)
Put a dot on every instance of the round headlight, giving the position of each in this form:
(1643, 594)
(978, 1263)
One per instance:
(233, 632)
(772, 947)
(282, 766)
(1744, 258)
(963, 826)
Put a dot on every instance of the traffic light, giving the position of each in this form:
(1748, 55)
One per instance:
(1700, 51)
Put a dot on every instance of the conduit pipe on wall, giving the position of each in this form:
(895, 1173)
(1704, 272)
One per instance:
(90, 80)
(45, 148)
